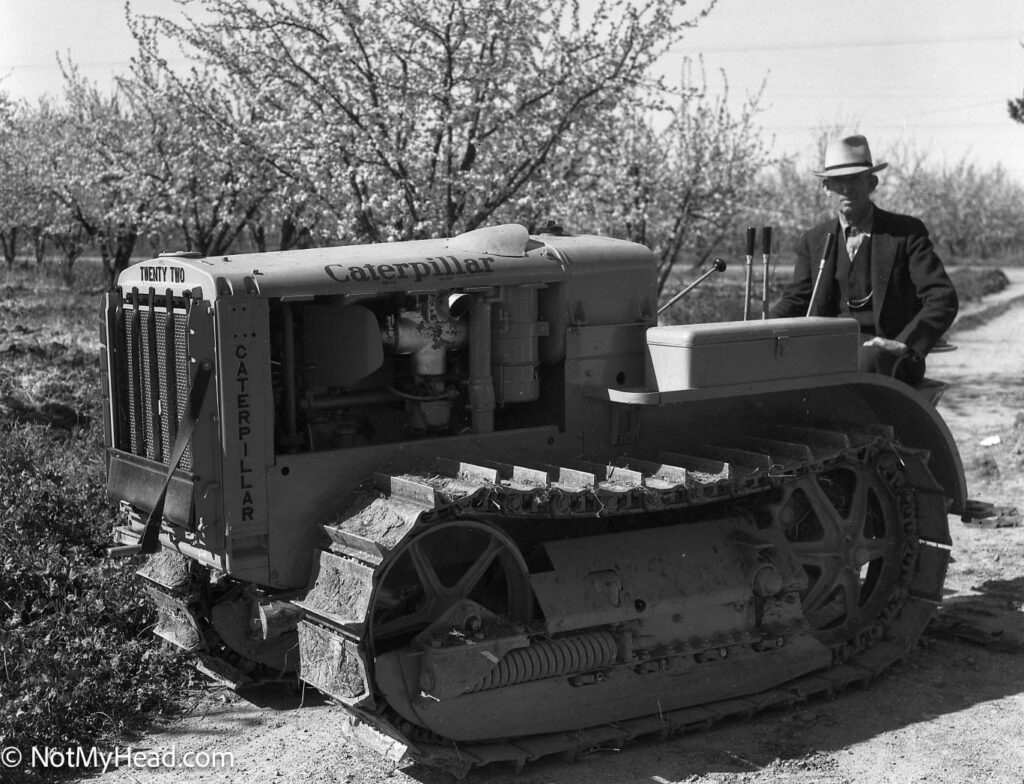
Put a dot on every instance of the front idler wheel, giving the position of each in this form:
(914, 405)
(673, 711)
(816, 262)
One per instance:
(443, 566)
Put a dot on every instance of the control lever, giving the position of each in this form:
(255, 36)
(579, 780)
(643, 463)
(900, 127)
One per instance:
(717, 266)
(829, 242)
(751, 236)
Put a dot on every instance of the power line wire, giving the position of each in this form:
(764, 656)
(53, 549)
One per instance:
(910, 125)
(835, 92)
(840, 44)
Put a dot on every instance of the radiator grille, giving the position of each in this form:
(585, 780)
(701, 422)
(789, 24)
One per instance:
(152, 335)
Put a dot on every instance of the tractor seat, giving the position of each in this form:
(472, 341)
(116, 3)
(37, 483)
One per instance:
(931, 390)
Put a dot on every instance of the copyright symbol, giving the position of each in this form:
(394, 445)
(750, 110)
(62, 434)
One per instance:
(10, 757)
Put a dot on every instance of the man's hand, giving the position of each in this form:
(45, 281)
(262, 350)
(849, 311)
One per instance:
(888, 346)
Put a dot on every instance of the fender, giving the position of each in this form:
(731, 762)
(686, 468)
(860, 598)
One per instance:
(866, 397)
(918, 424)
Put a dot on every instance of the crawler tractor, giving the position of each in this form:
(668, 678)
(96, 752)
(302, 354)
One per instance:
(469, 489)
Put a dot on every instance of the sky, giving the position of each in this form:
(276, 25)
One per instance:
(934, 75)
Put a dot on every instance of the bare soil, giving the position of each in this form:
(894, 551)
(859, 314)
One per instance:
(953, 711)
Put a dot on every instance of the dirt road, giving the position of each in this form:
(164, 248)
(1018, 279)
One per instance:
(952, 712)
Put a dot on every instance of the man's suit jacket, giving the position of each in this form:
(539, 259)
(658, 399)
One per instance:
(914, 300)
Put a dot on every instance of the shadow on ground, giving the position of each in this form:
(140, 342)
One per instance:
(940, 677)
(989, 616)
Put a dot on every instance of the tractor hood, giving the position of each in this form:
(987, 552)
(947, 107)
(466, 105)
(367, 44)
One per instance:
(493, 256)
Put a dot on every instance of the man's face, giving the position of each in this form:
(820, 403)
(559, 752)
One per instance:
(851, 195)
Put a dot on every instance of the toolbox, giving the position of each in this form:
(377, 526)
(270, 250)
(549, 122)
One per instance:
(697, 356)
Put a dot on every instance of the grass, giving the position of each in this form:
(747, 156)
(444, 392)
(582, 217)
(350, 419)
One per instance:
(77, 664)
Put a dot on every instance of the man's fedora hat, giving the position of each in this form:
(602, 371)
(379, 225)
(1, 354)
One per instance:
(850, 155)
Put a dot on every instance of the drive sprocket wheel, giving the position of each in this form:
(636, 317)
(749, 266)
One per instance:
(441, 566)
(850, 528)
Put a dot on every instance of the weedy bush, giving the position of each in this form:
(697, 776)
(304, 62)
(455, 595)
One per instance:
(973, 283)
(77, 665)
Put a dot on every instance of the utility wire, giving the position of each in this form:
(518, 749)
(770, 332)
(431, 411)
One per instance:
(841, 44)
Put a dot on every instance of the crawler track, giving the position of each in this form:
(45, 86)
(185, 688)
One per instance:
(862, 514)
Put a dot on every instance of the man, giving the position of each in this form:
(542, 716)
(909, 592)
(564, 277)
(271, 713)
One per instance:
(882, 270)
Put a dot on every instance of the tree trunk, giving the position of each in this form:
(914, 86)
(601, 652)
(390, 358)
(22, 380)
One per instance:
(38, 244)
(67, 265)
(71, 245)
(258, 233)
(10, 243)
(107, 262)
(123, 249)
(288, 234)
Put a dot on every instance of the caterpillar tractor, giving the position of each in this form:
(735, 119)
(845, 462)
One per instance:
(472, 491)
